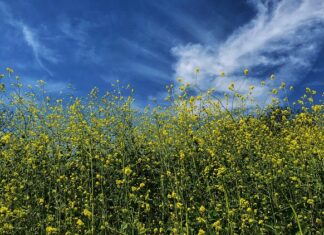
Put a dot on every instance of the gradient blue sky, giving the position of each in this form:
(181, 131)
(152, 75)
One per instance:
(150, 43)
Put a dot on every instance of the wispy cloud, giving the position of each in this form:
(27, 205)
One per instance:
(139, 70)
(142, 49)
(284, 37)
(40, 51)
(78, 30)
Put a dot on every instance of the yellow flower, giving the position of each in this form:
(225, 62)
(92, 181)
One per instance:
(231, 87)
(197, 70)
(181, 155)
(127, 170)
(201, 232)
(41, 201)
(246, 72)
(51, 230)
(222, 74)
(9, 70)
(179, 205)
(202, 209)
(310, 201)
(80, 223)
(317, 108)
(318, 221)
(5, 139)
(119, 182)
(87, 213)
(274, 91)
(4, 210)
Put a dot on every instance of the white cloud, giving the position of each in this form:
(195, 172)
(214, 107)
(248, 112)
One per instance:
(40, 51)
(284, 37)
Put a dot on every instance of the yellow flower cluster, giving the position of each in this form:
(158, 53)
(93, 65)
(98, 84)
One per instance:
(96, 165)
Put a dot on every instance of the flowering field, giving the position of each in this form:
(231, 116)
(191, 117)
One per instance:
(98, 166)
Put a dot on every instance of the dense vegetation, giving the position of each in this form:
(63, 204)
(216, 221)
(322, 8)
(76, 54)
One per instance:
(195, 166)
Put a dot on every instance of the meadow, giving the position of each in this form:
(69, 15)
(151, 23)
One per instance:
(96, 165)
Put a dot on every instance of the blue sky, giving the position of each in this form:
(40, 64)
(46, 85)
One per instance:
(149, 43)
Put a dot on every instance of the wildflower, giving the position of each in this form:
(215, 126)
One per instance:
(7, 227)
(246, 72)
(41, 201)
(200, 220)
(127, 170)
(308, 90)
(217, 225)
(222, 74)
(4, 210)
(317, 108)
(51, 230)
(5, 139)
(310, 201)
(201, 232)
(80, 223)
(2, 75)
(282, 85)
(231, 87)
(179, 205)
(294, 178)
(9, 70)
(87, 213)
(274, 91)
(2, 86)
(272, 77)
(202, 209)
(318, 221)
(181, 155)
(197, 70)
(119, 182)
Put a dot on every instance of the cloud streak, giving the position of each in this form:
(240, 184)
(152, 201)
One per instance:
(284, 37)
(40, 51)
